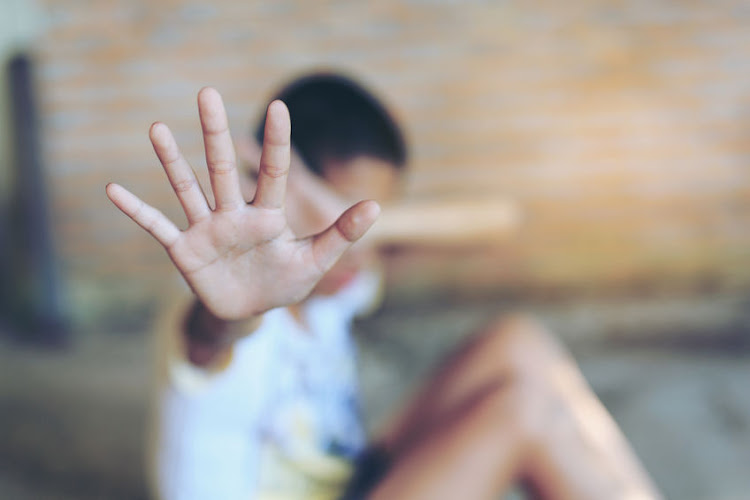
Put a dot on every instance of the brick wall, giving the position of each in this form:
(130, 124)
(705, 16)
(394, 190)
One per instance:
(621, 127)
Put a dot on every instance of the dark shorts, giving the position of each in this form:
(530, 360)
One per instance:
(369, 469)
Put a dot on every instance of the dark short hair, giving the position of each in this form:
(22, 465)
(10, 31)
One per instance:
(336, 119)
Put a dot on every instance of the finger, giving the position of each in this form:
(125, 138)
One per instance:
(146, 216)
(180, 174)
(274, 161)
(329, 245)
(220, 156)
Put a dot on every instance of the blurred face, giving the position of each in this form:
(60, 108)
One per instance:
(363, 178)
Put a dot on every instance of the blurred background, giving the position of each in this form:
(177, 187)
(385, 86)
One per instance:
(620, 129)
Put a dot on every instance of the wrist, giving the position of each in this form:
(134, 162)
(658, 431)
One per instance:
(208, 337)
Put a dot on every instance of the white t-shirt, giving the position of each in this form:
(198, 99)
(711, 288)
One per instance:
(281, 421)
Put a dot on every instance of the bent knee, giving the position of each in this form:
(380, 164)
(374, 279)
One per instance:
(521, 341)
(516, 327)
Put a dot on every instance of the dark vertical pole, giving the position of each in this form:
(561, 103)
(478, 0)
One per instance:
(5, 288)
(35, 292)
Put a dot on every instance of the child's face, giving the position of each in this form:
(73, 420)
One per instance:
(363, 178)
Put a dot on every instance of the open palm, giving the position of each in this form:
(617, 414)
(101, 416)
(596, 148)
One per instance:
(240, 259)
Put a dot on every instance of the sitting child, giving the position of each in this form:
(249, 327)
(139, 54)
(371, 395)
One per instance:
(259, 395)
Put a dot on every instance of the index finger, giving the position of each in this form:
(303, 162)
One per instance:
(274, 161)
(220, 155)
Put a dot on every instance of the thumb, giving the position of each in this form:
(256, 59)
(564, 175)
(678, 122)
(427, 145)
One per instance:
(330, 244)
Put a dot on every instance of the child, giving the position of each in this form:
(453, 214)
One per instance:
(260, 397)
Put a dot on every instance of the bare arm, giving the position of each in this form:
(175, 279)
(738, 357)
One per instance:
(208, 339)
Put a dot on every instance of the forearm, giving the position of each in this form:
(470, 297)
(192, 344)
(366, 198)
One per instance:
(208, 339)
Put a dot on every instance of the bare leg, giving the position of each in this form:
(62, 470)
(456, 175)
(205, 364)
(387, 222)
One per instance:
(495, 355)
(540, 424)
(473, 455)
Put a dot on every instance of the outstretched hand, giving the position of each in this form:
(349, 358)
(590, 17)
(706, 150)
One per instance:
(240, 259)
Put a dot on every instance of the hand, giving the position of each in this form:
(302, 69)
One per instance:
(240, 259)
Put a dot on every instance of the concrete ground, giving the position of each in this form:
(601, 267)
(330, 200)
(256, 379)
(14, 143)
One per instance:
(675, 373)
